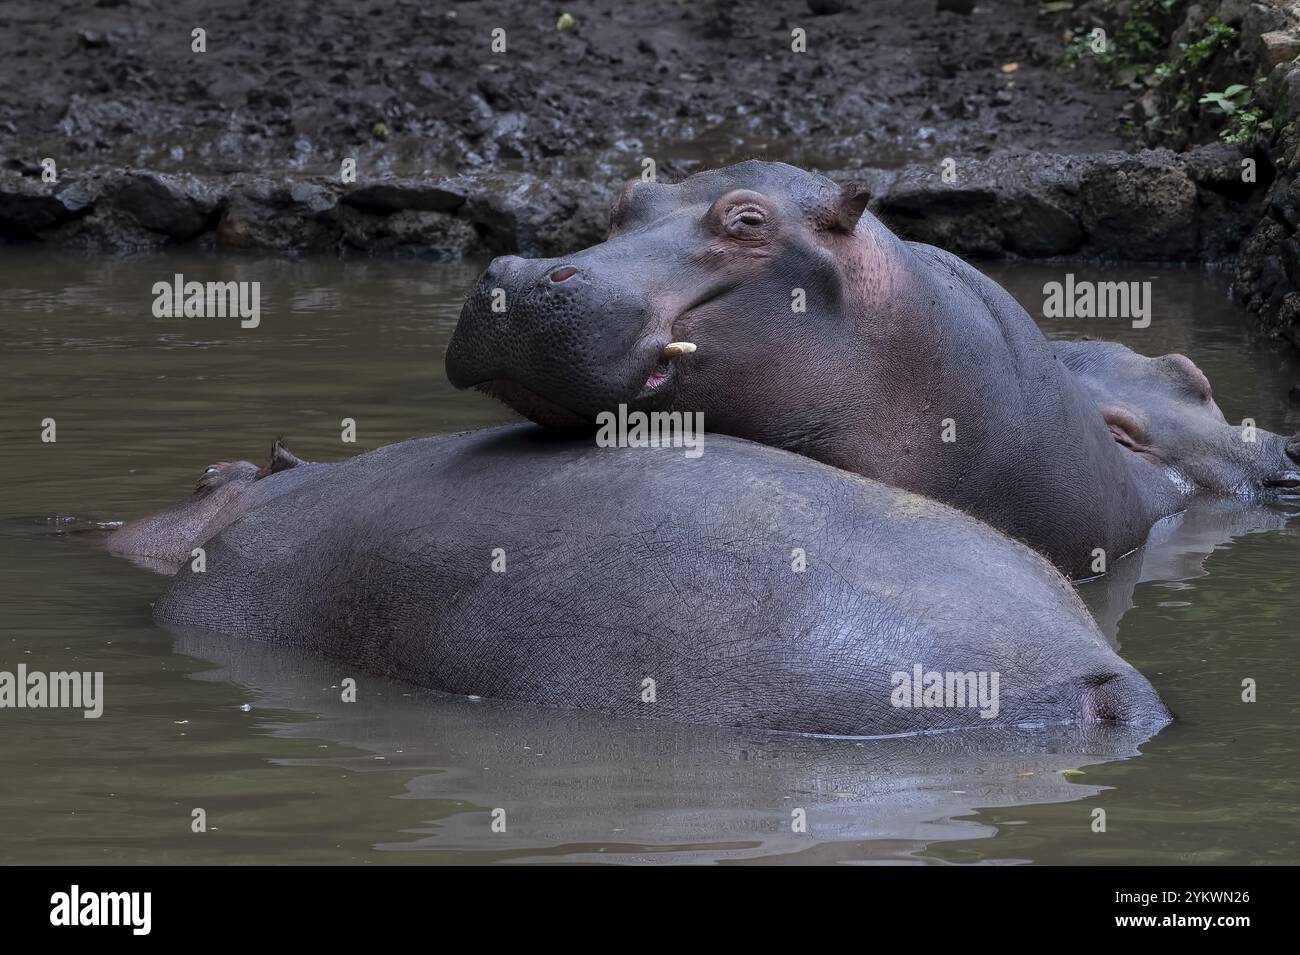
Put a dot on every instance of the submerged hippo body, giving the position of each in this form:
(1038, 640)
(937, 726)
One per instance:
(1163, 410)
(507, 563)
(815, 330)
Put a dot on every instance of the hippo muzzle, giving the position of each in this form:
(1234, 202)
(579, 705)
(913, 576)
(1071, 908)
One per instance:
(1286, 482)
(559, 340)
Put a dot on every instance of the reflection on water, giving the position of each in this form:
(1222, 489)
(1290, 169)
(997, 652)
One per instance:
(143, 404)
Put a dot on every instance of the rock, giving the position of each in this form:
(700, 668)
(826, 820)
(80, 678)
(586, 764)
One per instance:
(1279, 46)
(1258, 20)
(1022, 205)
(385, 198)
(1037, 227)
(1284, 92)
(179, 207)
(30, 207)
(521, 213)
(1232, 12)
(1191, 28)
(436, 235)
(1150, 205)
(1287, 322)
(961, 218)
(1142, 208)
(281, 215)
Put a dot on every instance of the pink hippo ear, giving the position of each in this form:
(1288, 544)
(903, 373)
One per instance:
(853, 202)
(1124, 428)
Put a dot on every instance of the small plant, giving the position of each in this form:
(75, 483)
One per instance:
(1235, 97)
(1235, 104)
(1217, 34)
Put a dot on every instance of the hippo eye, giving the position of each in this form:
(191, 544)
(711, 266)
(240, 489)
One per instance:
(210, 471)
(744, 221)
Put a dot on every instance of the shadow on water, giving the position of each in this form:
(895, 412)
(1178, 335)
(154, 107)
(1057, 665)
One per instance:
(400, 776)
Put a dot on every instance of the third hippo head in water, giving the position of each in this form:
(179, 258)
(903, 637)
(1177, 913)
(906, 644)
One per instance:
(769, 299)
(1163, 409)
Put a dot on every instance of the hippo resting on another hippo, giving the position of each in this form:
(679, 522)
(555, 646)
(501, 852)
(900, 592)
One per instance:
(768, 299)
(511, 564)
(1163, 410)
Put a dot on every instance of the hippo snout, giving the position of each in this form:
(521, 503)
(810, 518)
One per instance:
(1285, 482)
(1121, 696)
(560, 340)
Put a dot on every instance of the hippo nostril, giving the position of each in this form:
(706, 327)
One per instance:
(563, 274)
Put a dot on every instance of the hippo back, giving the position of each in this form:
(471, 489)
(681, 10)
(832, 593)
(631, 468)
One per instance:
(748, 587)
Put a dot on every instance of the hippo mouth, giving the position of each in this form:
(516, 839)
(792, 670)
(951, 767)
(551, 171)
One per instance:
(533, 406)
(550, 411)
(1285, 485)
(658, 383)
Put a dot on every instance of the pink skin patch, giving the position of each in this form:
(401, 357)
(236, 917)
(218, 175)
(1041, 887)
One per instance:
(657, 377)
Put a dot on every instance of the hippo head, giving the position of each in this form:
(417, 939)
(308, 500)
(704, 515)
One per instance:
(725, 261)
(1163, 409)
(162, 541)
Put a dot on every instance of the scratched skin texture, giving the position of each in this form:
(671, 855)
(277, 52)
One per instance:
(1163, 409)
(896, 338)
(627, 564)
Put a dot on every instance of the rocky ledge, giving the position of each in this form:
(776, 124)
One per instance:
(1153, 205)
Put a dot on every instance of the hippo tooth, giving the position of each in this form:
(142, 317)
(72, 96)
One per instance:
(677, 349)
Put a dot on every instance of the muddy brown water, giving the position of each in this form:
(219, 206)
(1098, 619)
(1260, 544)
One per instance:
(286, 772)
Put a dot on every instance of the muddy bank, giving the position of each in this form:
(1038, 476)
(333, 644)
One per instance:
(410, 88)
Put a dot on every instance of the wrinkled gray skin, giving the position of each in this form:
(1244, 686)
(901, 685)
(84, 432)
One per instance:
(162, 541)
(896, 338)
(1163, 409)
(634, 564)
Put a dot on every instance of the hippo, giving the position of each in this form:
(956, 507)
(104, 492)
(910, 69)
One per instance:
(771, 301)
(746, 587)
(1163, 409)
(162, 541)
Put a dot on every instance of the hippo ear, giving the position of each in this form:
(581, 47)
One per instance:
(282, 459)
(1124, 428)
(853, 201)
